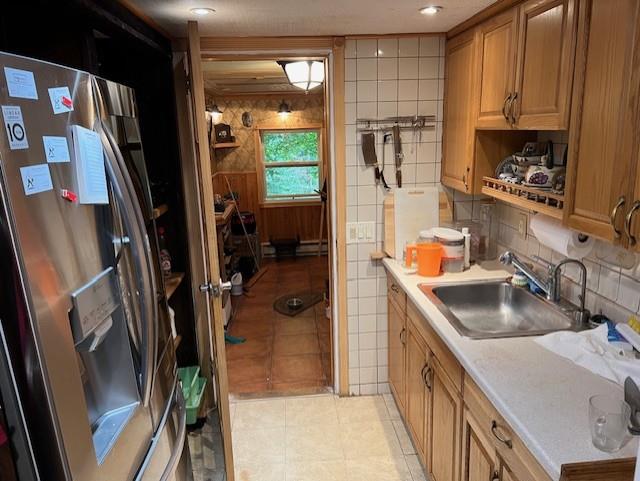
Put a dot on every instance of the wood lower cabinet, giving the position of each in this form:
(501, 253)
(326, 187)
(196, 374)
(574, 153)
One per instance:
(418, 405)
(459, 112)
(603, 142)
(397, 339)
(478, 456)
(446, 418)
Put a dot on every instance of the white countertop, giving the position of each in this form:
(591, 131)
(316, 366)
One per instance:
(543, 397)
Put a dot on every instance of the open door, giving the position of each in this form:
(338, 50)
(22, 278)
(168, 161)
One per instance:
(203, 248)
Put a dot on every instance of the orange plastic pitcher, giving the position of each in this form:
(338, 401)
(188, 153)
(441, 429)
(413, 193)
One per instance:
(429, 257)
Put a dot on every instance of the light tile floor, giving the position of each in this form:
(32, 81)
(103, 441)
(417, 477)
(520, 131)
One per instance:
(322, 438)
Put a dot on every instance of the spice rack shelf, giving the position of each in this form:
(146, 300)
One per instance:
(226, 145)
(530, 198)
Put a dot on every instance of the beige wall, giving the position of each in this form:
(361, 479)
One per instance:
(306, 109)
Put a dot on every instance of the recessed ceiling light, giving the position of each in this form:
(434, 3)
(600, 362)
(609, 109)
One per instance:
(202, 11)
(430, 10)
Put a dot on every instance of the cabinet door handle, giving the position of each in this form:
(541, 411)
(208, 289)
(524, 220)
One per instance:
(495, 476)
(504, 107)
(496, 434)
(629, 220)
(465, 178)
(426, 377)
(424, 368)
(614, 215)
(512, 106)
(402, 333)
(394, 288)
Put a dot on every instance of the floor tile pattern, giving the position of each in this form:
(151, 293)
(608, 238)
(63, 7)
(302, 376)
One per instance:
(322, 438)
(282, 354)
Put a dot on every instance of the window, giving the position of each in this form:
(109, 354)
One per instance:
(291, 164)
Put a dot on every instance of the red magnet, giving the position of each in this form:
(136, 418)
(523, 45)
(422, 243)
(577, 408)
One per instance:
(69, 195)
(67, 102)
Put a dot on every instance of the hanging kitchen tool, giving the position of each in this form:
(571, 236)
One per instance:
(399, 156)
(385, 138)
(368, 143)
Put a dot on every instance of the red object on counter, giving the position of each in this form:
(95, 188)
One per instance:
(67, 102)
(69, 195)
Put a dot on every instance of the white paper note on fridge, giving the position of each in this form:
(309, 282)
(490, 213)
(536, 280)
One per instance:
(91, 177)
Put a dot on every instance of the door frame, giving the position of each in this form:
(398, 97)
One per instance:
(331, 49)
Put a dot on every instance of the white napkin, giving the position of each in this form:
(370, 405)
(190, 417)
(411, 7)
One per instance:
(591, 350)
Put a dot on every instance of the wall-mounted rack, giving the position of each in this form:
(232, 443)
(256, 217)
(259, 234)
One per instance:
(410, 122)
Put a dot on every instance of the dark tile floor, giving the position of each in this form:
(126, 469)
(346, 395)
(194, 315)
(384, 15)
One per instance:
(282, 354)
(206, 451)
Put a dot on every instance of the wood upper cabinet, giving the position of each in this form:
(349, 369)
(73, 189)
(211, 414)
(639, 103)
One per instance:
(460, 103)
(546, 48)
(497, 53)
(417, 408)
(603, 142)
(397, 336)
(446, 422)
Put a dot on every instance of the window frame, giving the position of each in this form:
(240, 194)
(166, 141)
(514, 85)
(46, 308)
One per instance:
(262, 166)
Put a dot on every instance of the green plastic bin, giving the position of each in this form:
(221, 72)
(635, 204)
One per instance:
(193, 402)
(188, 376)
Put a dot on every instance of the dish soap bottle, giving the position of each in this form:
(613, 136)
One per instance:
(165, 257)
(467, 247)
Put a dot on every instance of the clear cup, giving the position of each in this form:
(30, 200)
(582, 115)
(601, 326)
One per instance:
(609, 422)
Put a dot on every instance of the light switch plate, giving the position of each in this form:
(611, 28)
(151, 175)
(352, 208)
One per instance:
(523, 220)
(352, 232)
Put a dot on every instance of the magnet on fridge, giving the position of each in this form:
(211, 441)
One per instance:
(69, 195)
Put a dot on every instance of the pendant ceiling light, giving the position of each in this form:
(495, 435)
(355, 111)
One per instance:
(304, 74)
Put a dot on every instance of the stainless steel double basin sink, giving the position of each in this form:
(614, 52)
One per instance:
(493, 309)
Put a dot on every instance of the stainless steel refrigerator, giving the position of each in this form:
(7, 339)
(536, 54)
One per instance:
(84, 320)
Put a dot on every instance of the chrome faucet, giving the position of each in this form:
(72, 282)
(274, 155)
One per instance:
(551, 286)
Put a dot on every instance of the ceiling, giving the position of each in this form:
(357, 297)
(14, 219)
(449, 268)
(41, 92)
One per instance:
(224, 77)
(245, 18)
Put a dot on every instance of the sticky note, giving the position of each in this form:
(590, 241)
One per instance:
(14, 127)
(89, 166)
(61, 100)
(21, 83)
(36, 179)
(56, 149)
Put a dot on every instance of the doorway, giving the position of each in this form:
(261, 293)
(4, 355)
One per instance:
(268, 149)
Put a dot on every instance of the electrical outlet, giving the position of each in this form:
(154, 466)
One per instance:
(523, 220)
(358, 232)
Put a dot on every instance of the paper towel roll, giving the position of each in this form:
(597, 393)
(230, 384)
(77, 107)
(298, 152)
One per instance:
(551, 233)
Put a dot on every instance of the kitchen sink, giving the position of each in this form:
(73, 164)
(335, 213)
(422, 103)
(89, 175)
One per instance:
(498, 309)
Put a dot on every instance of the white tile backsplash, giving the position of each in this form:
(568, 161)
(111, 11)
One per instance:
(385, 77)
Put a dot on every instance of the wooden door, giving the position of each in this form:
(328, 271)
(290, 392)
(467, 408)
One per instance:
(211, 245)
(417, 408)
(397, 335)
(603, 120)
(505, 473)
(478, 455)
(546, 48)
(460, 115)
(446, 426)
(497, 52)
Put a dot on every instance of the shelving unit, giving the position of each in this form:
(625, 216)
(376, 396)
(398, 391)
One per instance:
(172, 282)
(160, 210)
(226, 145)
(537, 200)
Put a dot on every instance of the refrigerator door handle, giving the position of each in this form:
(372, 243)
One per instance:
(182, 431)
(117, 170)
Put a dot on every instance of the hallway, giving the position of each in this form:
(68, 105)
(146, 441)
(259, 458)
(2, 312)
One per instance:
(282, 354)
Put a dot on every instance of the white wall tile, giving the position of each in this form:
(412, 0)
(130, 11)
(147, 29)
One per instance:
(387, 47)
(367, 48)
(352, 324)
(408, 47)
(366, 269)
(427, 107)
(428, 90)
(367, 110)
(368, 375)
(426, 173)
(354, 389)
(354, 377)
(609, 283)
(352, 289)
(367, 90)
(367, 69)
(430, 46)
(350, 69)
(350, 113)
(408, 108)
(350, 91)
(367, 322)
(382, 323)
(387, 91)
(387, 68)
(366, 195)
(368, 358)
(368, 389)
(350, 48)
(367, 340)
(367, 287)
(428, 67)
(382, 341)
(408, 68)
(351, 155)
(367, 305)
(408, 90)
(387, 109)
(383, 374)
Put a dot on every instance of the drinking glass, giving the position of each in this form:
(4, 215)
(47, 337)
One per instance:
(609, 420)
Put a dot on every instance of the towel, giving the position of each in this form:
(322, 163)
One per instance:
(591, 350)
